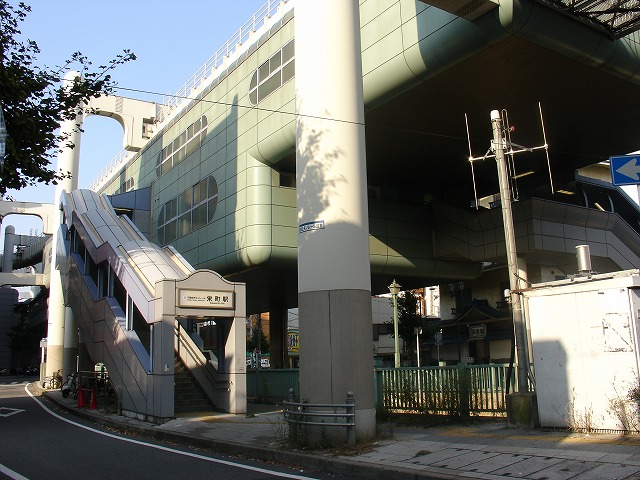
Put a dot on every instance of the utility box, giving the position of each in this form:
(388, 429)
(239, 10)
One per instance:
(584, 336)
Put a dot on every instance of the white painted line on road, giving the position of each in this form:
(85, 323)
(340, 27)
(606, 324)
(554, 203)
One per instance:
(7, 412)
(11, 474)
(167, 449)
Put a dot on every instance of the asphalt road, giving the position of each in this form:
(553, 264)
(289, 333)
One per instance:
(38, 441)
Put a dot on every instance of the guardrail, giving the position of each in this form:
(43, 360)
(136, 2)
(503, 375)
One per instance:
(322, 415)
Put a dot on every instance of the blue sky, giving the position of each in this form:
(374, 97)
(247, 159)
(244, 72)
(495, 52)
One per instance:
(171, 40)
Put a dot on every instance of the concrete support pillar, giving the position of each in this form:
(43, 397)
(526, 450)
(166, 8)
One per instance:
(70, 355)
(278, 337)
(236, 365)
(7, 253)
(334, 285)
(68, 161)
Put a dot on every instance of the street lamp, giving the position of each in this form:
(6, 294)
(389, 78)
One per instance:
(394, 289)
(418, 331)
(3, 139)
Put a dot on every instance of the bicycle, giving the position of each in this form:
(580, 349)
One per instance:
(54, 381)
(104, 387)
(70, 386)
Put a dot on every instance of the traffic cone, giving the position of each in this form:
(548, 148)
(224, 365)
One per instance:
(93, 404)
(82, 402)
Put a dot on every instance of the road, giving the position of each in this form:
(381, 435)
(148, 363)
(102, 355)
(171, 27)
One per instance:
(39, 441)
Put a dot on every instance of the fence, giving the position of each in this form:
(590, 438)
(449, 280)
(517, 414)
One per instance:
(456, 390)
(272, 384)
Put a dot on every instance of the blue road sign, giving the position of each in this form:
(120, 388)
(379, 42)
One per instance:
(625, 170)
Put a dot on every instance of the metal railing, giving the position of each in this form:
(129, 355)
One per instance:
(454, 390)
(322, 415)
(231, 47)
(457, 390)
(108, 172)
(240, 39)
(197, 363)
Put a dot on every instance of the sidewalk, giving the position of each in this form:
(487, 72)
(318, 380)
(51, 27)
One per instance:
(485, 451)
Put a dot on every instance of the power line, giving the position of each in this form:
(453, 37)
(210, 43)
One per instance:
(237, 105)
(268, 110)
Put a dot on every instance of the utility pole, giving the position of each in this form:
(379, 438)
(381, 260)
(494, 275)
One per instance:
(499, 146)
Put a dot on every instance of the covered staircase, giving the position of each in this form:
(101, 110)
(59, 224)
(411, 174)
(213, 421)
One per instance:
(188, 394)
(129, 296)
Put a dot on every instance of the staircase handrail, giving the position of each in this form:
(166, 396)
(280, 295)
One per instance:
(196, 362)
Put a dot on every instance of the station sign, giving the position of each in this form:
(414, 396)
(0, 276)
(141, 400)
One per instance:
(190, 298)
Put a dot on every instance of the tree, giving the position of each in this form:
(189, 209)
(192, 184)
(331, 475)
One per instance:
(35, 101)
(257, 338)
(408, 317)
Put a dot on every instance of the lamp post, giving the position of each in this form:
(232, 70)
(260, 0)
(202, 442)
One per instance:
(418, 331)
(3, 139)
(394, 289)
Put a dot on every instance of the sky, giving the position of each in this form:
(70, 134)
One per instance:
(171, 41)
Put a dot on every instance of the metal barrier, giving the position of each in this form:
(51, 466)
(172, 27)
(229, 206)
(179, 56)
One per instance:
(455, 390)
(315, 414)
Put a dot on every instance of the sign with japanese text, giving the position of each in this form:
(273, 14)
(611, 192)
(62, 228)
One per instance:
(205, 299)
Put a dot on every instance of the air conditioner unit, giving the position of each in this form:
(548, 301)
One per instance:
(467, 9)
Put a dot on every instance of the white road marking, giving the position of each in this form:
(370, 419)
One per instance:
(167, 449)
(7, 412)
(11, 474)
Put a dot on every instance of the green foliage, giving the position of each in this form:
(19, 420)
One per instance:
(408, 317)
(257, 339)
(35, 101)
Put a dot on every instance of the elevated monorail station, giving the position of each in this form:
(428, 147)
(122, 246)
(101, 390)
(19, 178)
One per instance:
(324, 152)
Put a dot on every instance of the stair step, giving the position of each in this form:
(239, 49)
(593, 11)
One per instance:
(188, 395)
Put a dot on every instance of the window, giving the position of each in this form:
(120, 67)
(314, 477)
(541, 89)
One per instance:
(272, 74)
(182, 146)
(126, 186)
(189, 211)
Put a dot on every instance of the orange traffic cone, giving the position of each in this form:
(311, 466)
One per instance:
(82, 402)
(93, 404)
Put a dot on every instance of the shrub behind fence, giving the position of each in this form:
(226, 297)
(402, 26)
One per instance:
(459, 390)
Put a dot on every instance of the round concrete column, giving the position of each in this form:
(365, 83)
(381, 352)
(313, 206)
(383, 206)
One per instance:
(334, 285)
(68, 161)
(7, 253)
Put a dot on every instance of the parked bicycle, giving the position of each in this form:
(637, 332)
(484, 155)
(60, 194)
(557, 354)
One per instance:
(70, 387)
(104, 386)
(54, 381)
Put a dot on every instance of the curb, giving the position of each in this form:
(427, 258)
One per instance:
(328, 464)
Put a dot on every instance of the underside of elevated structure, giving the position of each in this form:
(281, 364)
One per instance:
(424, 70)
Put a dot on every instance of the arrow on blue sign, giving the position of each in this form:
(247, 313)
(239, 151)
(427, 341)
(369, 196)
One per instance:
(625, 170)
(630, 169)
